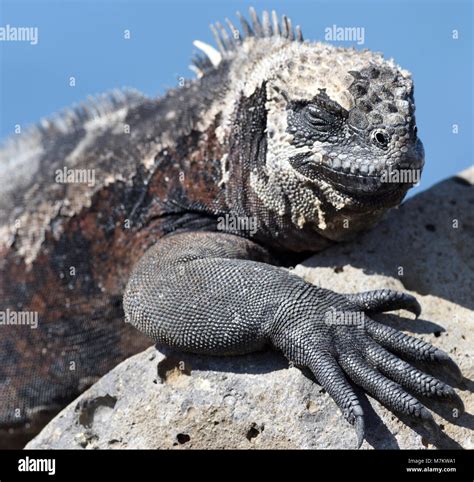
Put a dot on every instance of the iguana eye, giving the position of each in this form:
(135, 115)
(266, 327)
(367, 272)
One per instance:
(318, 117)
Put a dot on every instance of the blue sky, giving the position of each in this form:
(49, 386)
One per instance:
(85, 39)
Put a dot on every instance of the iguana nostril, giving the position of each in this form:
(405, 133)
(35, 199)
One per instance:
(380, 138)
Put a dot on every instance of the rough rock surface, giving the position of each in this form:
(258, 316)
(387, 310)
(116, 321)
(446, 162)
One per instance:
(161, 399)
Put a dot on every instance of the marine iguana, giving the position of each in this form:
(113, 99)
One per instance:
(293, 135)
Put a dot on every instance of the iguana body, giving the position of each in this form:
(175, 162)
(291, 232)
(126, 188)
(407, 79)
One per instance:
(293, 135)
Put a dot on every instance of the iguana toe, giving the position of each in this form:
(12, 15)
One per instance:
(405, 345)
(405, 374)
(388, 392)
(330, 375)
(379, 301)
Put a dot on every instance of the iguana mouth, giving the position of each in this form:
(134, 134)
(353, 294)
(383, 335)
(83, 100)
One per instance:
(355, 184)
(360, 184)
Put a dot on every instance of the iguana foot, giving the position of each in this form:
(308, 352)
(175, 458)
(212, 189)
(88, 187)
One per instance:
(332, 335)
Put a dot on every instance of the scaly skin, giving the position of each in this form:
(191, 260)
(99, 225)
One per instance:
(308, 152)
(238, 303)
(291, 134)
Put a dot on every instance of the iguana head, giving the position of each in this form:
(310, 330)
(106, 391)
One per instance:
(335, 127)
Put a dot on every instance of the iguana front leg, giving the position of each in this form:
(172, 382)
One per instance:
(215, 293)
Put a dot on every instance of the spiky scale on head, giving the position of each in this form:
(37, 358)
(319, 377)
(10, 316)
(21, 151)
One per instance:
(336, 121)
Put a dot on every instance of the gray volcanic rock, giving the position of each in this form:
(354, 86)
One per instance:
(164, 399)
